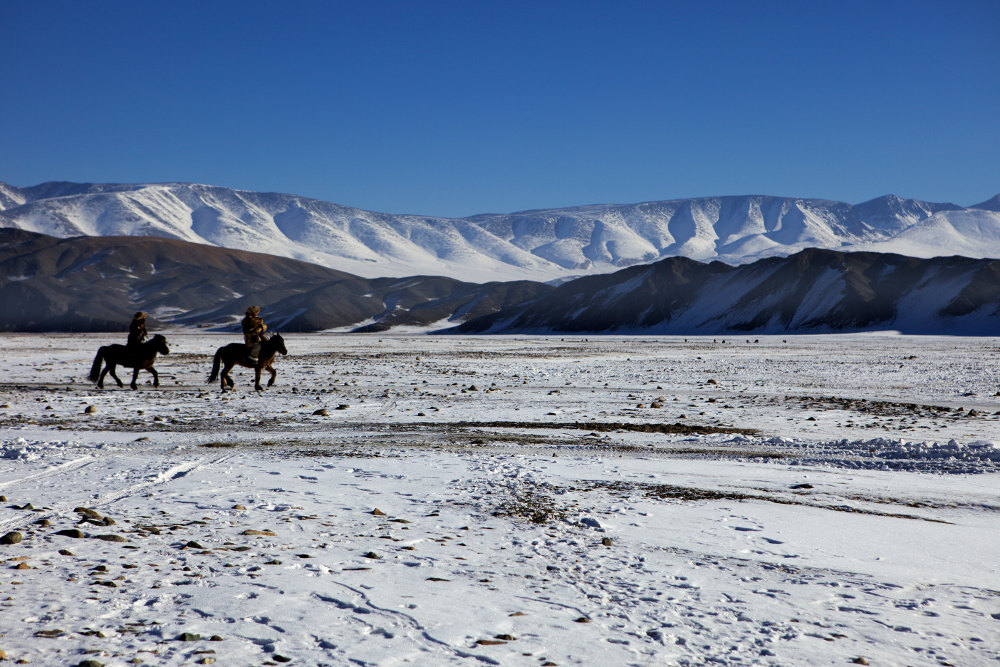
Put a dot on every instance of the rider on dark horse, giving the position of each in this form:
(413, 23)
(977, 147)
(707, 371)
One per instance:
(253, 333)
(136, 332)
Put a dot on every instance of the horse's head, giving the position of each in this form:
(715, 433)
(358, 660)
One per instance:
(279, 343)
(160, 344)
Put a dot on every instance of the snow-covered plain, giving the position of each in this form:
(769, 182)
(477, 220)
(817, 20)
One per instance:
(540, 501)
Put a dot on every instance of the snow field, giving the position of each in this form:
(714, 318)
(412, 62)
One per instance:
(824, 499)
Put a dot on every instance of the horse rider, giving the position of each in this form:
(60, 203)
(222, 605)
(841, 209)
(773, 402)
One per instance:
(253, 332)
(136, 332)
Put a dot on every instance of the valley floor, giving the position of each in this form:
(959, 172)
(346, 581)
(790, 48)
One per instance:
(506, 500)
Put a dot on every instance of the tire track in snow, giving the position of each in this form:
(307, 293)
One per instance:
(400, 619)
(151, 480)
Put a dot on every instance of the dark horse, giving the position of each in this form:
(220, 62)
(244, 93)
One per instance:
(235, 354)
(142, 358)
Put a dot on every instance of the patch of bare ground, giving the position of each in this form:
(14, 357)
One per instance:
(535, 507)
(685, 493)
(884, 408)
(677, 428)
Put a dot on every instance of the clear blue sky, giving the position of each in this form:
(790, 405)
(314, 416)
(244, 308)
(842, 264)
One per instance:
(456, 108)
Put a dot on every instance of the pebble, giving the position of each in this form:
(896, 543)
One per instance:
(90, 410)
(606, 541)
(343, 406)
(322, 412)
(377, 512)
(188, 637)
(110, 538)
(12, 537)
(238, 507)
(250, 531)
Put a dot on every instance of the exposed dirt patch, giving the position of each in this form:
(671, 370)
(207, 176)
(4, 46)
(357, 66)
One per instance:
(677, 428)
(881, 408)
(684, 493)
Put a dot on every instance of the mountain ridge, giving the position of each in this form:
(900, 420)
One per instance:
(96, 283)
(539, 244)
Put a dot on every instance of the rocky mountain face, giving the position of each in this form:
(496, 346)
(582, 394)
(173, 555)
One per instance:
(97, 283)
(814, 291)
(544, 245)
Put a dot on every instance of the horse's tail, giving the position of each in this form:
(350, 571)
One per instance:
(215, 366)
(95, 369)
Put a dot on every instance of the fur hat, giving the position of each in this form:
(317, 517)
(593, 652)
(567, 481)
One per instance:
(253, 310)
(139, 316)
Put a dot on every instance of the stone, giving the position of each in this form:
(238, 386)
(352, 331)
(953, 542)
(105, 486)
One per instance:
(89, 663)
(269, 533)
(193, 545)
(280, 658)
(322, 412)
(238, 507)
(377, 512)
(188, 637)
(110, 538)
(582, 619)
(606, 541)
(90, 410)
(71, 532)
(12, 537)
(65, 552)
(373, 555)
(343, 406)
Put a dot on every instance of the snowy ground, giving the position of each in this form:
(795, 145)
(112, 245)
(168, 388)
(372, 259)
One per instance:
(512, 501)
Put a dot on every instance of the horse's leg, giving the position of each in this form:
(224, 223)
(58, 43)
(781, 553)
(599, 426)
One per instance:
(273, 373)
(111, 369)
(135, 375)
(224, 378)
(156, 376)
(100, 378)
(256, 378)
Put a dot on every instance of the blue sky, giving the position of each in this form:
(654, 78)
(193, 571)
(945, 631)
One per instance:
(457, 108)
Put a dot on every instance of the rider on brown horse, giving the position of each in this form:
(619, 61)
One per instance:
(136, 332)
(253, 332)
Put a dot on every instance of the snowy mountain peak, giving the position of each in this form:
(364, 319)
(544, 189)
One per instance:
(544, 244)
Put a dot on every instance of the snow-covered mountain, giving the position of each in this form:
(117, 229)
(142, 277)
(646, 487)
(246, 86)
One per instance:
(543, 245)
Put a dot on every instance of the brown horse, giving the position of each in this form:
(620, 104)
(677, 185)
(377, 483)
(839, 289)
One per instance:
(235, 354)
(140, 359)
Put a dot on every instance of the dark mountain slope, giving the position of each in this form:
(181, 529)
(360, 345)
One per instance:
(96, 283)
(812, 291)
